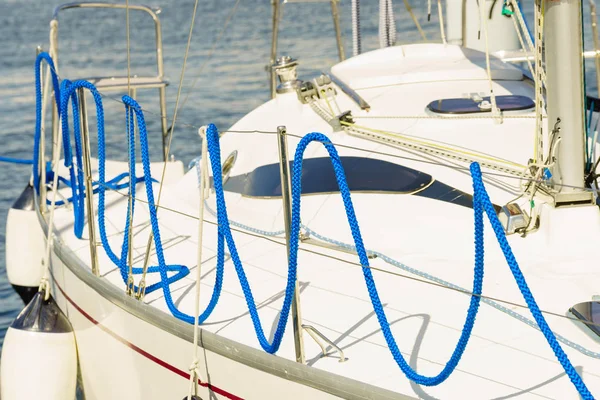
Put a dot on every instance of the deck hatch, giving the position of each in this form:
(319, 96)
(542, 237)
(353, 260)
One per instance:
(480, 105)
(318, 177)
(589, 314)
(364, 175)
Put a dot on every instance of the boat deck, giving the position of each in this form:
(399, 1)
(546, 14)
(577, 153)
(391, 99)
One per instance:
(505, 357)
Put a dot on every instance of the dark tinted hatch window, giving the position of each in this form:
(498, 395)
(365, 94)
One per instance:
(362, 174)
(588, 312)
(470, 106)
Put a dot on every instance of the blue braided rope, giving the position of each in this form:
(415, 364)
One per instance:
(133, 107)
(38, 110)
(130, 125)
(481, 203)
(114, 184)
(442, 282)
(483, 198)
(364, 260)
(16, 161)
(121, 262)
(68, 92)
(414, 271)
(212, 135)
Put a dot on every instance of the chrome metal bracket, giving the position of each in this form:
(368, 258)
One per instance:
(318, 336)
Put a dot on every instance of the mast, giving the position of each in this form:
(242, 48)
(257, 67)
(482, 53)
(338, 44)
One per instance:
(565, 97)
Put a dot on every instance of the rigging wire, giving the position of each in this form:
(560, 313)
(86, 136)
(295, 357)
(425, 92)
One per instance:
(281, 242)
(168, 150)
(128, 48)
(210, 53)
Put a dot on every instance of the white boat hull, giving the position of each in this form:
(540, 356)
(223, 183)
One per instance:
(123, 345)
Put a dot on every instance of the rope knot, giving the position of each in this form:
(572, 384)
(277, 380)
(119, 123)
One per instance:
(194, 367)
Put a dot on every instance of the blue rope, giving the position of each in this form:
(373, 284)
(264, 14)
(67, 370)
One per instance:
(133, 107)
(214, 150)
(15, 160)
(413, 271)
(38, 111)
(113, 184)
(212, 135)
(481, 203)
(482, 197)
(442, 282)
(68, 93)
(121, 262)
(364, 260)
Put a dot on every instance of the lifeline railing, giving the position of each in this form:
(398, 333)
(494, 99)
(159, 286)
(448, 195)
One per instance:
(119, 83)
(481, 204)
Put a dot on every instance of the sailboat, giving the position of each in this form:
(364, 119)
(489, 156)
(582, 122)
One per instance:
(415, 223)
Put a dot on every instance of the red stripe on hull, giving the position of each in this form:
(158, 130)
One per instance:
(144, 353)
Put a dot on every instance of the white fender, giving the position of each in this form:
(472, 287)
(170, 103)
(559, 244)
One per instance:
(25, 242)
(39, 355)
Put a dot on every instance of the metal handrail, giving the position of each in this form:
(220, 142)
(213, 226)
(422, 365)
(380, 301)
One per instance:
(153, 12)
(103, 4)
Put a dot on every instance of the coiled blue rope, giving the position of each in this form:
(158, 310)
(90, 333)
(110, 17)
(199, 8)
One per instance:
(114, 184)
(481, 203)
(406, 268)
(214, 150)
(121, 261)
(132, 107)
(364, 260)
(38, 110)
(212, 136)
(69, 93)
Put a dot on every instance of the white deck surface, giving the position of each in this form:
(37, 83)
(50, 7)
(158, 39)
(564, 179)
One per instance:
(505, 358)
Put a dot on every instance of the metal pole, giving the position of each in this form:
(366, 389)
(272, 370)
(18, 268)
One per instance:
(130, 281)
(42, 154)
(284, 169)
(53, 51)
(338, 32)
(274, 35)
(565, 96)
(87, 171)
(596, 41)
(162, 92)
